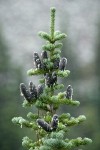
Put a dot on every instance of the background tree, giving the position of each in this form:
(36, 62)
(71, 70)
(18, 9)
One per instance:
(89, 100)
(10, 77)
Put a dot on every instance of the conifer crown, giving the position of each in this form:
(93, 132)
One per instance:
(51, 129)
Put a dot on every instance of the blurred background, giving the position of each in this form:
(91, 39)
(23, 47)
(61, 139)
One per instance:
(20, 22)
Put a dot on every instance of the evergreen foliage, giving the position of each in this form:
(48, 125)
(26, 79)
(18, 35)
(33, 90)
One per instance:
(51, 129)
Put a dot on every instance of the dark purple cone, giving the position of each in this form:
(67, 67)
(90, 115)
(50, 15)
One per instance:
(62, 63)
(33, 90)
(44, 125)
(39, 90)
(48, 79)
(56, 63)
(54, 122)
(54, 77)
(69, 92)
(37, 60)
(44, 55)
(25, 92)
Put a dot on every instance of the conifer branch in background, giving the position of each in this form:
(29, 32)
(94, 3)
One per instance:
(51, 129)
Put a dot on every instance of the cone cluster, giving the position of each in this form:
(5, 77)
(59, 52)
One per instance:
(33, 93)
(43, 62)
(49, 127)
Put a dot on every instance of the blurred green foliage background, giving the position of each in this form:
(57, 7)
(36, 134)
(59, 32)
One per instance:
(18, 40)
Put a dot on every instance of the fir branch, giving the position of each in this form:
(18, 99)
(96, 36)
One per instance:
(73, 121)
(62, 101)
(64, 73)
(22, 122)
(32, 116)
(79, 141)
(45, 36)
(60, 37)
(51, 47)
(35, 72)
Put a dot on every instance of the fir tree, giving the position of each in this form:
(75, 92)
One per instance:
(51, 129)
